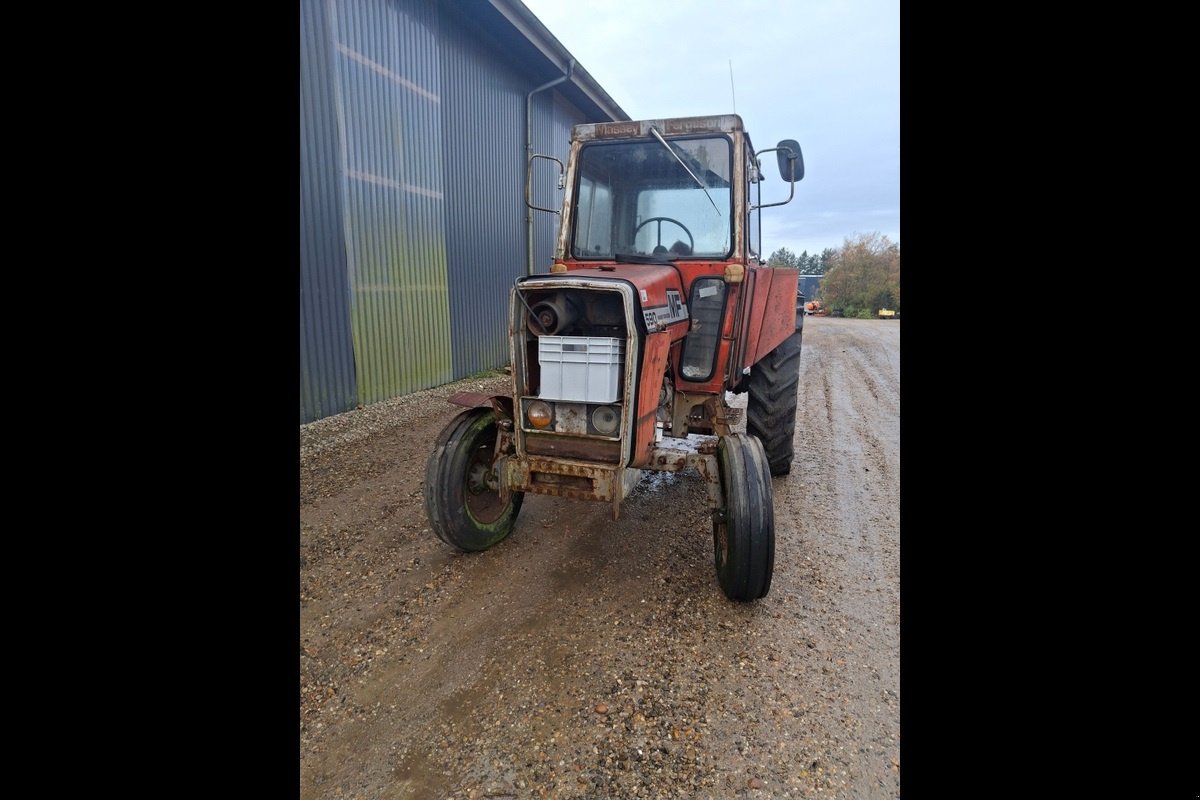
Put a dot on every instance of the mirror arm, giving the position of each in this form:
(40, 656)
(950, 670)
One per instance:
(791, 183)
(529, 183)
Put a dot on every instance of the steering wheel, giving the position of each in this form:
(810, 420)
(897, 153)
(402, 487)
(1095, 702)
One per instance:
(660, 221)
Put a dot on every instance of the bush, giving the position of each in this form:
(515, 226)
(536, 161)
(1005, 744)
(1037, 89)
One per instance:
(854, 312)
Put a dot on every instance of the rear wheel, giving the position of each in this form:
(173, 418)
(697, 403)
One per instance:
(462, 499)
(744, 532)
(771, 406)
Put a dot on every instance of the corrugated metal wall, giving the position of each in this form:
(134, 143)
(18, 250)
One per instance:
(412, 211)
(484, 143)
(327, 383)
(391, 131)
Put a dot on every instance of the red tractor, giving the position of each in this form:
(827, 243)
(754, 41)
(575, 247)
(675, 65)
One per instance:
(657, 304)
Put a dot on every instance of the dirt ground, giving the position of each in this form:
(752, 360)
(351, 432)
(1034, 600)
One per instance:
(587, 658)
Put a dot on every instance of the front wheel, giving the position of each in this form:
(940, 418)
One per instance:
(744, 532)
(462, 500)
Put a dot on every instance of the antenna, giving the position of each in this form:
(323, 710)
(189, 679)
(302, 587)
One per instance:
(731, 92)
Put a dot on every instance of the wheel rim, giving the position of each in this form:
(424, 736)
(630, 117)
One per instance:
(482, 502)
(722, 541)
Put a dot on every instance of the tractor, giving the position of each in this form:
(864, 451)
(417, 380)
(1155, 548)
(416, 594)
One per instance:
(658, 304)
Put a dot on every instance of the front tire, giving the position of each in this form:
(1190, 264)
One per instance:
(771, 406)
(744, 532)
(462, 502)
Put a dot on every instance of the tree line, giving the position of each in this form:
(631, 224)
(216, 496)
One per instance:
(808, 265)
(859, 279)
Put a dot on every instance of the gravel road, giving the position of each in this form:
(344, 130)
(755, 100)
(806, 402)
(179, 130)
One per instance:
(587, 658)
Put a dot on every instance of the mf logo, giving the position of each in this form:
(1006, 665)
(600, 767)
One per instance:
(674, 304)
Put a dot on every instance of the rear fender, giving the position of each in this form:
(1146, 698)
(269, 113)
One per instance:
(773, 313)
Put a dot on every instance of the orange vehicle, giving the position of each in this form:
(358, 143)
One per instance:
(657, 303)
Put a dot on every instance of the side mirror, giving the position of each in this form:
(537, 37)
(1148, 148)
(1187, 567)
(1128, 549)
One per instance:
(789, 155)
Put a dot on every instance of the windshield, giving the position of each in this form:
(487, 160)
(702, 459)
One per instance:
(637, 199)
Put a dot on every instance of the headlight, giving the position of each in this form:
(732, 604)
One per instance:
(539, 413)
(606, 419)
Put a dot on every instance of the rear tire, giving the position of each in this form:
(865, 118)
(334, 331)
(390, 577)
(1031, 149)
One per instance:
(771, 406)
(744, 533)
(463, 510)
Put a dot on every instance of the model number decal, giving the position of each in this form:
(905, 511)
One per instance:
(660, 317)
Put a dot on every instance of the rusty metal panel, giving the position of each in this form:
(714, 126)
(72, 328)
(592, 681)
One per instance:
(776, 314)
(389, 114)
(589, 449)
(571, 418)
(657, 347)
(327, 378)
(562, 478)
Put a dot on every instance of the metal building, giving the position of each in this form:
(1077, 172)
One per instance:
(416, 120)
(810, 286)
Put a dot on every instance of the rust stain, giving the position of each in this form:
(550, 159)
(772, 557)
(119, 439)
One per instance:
(563, 468)
(589, 449)
(672, 464)
(551, 479)
(561, 478)
(570, 418)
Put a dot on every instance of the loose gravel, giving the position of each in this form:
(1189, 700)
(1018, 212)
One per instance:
(590, 658)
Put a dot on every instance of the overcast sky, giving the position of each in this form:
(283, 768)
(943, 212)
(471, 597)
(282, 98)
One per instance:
(823, 72)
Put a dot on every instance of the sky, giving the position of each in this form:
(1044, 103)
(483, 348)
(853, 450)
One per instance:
(823, 72)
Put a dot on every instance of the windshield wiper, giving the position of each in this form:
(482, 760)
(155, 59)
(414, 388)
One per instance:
(699, 183)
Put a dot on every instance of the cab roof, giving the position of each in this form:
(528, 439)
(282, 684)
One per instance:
(637, 129)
